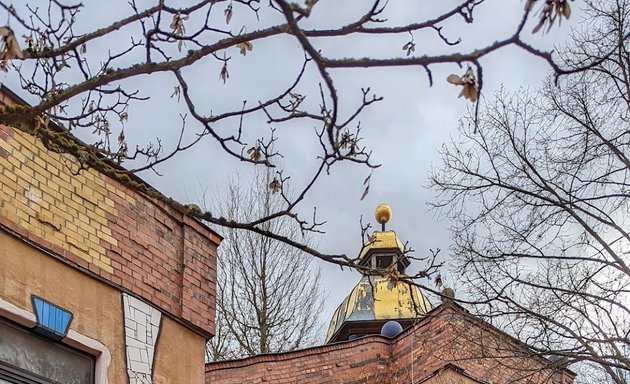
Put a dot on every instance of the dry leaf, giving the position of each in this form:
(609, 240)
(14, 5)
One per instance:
(121, 137)
(470, 91)
(275, 186)
(224, 75)
(438, 280)
(538, 26)
(552, 10)
(469, 76)
(122, 152)
(454, 79)
(244, 47)
(409, 47)
(529, 4)
(228, 13)
(29, 41)
(393, 276)
(296, 100)
(366, 182)
(177, 25)
(566, 10)
(11, 48)
(255, 153)
(176, 92)
(365, 192)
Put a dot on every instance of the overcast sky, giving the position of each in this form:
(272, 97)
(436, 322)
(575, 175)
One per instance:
(405, 131)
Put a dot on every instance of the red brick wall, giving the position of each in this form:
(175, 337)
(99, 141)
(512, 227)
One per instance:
(166, 258)
(107, 229)
(445, 338)
(450, 336)
(361, 361)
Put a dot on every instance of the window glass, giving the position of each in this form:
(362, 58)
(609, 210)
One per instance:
(23, 351)
(384, 261)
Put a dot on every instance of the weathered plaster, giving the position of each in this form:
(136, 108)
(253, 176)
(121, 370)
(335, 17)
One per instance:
(73, 339)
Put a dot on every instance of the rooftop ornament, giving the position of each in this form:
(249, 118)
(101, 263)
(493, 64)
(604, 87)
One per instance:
(383, 214)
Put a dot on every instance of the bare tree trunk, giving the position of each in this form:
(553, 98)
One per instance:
(269, 295)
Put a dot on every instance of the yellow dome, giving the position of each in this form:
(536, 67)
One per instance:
(377, 298)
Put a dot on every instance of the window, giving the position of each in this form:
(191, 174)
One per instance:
(27, 358)
(384, 261)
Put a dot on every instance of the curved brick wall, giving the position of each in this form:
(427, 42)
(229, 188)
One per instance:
(446, 346)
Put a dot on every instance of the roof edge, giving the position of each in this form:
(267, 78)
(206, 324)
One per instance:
(290, 355)
(456, 308)
(57, 127)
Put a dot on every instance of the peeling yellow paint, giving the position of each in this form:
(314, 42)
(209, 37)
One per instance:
(377, 298)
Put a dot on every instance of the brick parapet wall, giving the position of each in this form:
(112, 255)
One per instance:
(108, 230)
(361, 361)
(446, 338)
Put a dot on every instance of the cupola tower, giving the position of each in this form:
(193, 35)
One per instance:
(382, 294)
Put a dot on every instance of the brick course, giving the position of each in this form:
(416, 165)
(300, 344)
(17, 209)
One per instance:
(447, 338)
(361, 361)
(108, 230)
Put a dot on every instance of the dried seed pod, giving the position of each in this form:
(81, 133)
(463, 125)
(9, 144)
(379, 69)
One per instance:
(228, 13)
(275, 186)
(224, 75)
(470, 90)
(244, 47)
(255, 153)
(11, 48)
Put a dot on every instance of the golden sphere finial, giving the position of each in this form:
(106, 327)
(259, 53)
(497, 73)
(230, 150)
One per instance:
(383, 213)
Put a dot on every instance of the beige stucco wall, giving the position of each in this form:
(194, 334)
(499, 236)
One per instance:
(96, 306)
(179, 355)
(97, 310)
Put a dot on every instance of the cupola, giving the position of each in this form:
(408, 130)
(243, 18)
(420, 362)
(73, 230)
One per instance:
(379, 297)
(383, 249)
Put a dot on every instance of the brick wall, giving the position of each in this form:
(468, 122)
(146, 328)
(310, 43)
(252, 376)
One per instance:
(106, 229)
(361, 361)
(451, 336)
(446, 339)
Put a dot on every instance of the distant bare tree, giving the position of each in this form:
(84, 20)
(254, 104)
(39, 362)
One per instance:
(269, 295)
(540, 200)
(81, 69)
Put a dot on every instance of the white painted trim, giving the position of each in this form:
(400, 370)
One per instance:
(93, 347)
(18, 315)
(73, 339)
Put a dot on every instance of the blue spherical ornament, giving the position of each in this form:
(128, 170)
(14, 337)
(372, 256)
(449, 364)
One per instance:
(391, 329)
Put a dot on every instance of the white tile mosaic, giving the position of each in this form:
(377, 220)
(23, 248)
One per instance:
(142, 327)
